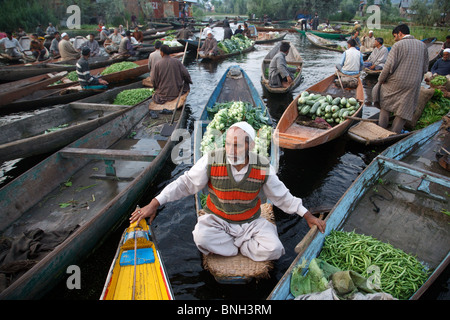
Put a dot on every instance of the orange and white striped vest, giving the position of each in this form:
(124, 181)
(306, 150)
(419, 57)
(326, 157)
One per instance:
(236, 202)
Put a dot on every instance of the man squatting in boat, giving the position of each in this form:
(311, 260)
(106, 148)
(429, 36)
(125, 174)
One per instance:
(236, 178)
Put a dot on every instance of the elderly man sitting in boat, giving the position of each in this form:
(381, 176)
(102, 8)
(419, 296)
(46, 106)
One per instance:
(66, 49)
(378, 57)
(209, 46)
(352, 61)
(368, 42)
(236, 178)
(442, 66)
(280, 75)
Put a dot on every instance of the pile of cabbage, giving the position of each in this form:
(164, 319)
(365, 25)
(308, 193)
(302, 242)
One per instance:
(225, 115)
(235, 44)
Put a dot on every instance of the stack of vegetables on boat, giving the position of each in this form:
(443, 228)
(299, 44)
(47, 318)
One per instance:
(235, 44)
(370, 266)
(132, 97)
(332, 110)
(226, 114)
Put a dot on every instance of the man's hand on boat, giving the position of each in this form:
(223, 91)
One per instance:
(149, 211)
(313, 221)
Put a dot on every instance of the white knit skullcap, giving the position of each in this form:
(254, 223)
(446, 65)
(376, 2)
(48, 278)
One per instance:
(246, 128)
(447, 50)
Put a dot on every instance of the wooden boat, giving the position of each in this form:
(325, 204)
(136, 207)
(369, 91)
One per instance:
(367, 132)
(47, 97)
(37, 134)
(18, 72)
(268, 29)
(326, 35)
(191, 43)
(235, 85)
(264, 37)
(12, 91)
(137, 273)
(293, 135)
(156, 30)
(411, 161)
(226, 55)
(87, 189)
(293, 58)
(323, 43)
(115, 77)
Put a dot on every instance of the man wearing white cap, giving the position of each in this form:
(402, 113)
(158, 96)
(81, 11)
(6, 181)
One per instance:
(236, 179)
(368, 42)
(66, 49)
(209, 46)
(442, 66)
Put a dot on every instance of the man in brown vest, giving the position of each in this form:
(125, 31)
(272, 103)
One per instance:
(235, 176)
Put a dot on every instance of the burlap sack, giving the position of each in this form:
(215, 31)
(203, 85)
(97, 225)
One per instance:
(424, 96)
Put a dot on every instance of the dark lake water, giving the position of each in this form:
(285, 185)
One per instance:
(319, 176)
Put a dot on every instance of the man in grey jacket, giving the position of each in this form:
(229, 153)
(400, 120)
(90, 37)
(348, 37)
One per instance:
(280, 75)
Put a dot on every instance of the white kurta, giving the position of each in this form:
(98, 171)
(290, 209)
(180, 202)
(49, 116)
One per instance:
(257, 239)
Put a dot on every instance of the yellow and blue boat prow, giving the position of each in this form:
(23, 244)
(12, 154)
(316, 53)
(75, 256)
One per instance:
(137, 271)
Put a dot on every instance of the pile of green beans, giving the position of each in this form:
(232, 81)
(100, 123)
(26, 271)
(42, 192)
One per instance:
(119, 66)
(132, 97)
(401, 274)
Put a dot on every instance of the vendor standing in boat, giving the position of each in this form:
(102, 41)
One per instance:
(352, 61)
(87, 81)
(280, 75)
(236, 178)
(169, 74)
(154, 57)
(399, 83)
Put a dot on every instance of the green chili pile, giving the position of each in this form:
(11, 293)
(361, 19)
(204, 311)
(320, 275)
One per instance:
(119, 66)
(401, 274)
(133, 96)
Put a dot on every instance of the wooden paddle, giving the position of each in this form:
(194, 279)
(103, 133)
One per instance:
(167, 129)
(301, 246)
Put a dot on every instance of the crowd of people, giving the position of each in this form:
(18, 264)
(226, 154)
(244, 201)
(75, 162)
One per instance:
(61, 46)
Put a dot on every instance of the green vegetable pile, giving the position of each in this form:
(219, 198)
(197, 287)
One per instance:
(400, 273)
(132, 97)
(332, 110)
(226, 114)
(434, 110)
(438, 81)
(119, 66)
(237, 43)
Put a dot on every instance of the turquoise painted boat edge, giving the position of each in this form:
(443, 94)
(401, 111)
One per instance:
(41, 278)
(340, 211)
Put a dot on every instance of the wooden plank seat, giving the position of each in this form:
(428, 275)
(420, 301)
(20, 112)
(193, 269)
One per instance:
(109, 156)
(97, 106)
